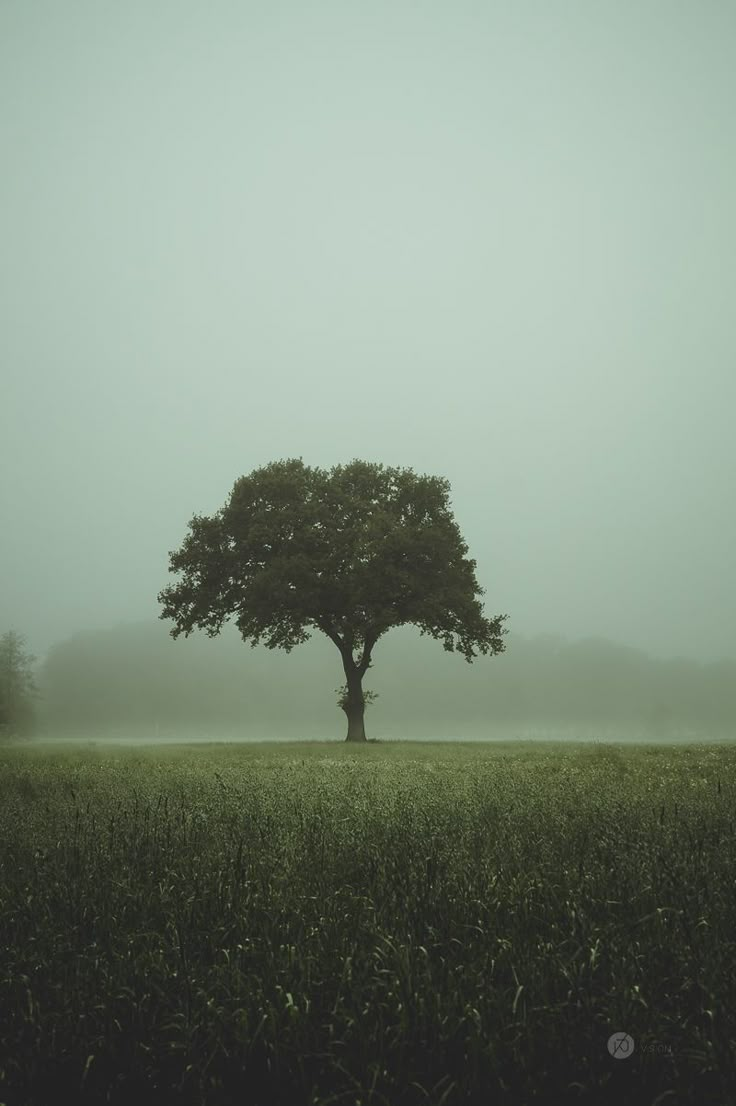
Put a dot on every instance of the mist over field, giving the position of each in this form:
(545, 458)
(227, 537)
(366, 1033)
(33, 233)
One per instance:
(134, 681)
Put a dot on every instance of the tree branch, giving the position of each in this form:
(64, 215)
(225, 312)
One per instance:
(365, 659)
(331, 633)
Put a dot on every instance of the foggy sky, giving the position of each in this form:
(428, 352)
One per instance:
(491, 241)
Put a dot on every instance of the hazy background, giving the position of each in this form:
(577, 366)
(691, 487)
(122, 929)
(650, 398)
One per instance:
(491, 241)
(134, 682)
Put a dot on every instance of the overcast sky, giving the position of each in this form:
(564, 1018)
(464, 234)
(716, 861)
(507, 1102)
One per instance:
(490, 241)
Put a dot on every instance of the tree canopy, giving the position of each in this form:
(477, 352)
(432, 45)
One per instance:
(352, 552)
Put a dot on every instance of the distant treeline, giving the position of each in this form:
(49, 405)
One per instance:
(136, 680)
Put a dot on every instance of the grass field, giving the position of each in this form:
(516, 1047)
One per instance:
(391, 925)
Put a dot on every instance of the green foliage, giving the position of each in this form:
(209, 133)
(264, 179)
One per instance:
(351, 552)
(392, 924)
(342, 697)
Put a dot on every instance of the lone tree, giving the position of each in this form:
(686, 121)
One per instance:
(17, 686)
(351, 551)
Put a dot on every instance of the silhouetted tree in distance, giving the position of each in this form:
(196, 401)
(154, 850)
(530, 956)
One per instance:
(351, 552)
(17, 685)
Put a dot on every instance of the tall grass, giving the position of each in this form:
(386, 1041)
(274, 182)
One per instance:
(384, 926)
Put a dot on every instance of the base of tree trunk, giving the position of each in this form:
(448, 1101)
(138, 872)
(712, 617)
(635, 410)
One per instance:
(356, 725)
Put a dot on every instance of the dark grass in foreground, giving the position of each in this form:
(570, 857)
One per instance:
(391, 925)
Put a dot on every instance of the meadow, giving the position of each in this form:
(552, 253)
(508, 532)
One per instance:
(398, 924)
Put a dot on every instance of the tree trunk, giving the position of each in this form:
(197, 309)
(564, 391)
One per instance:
(355, 705)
